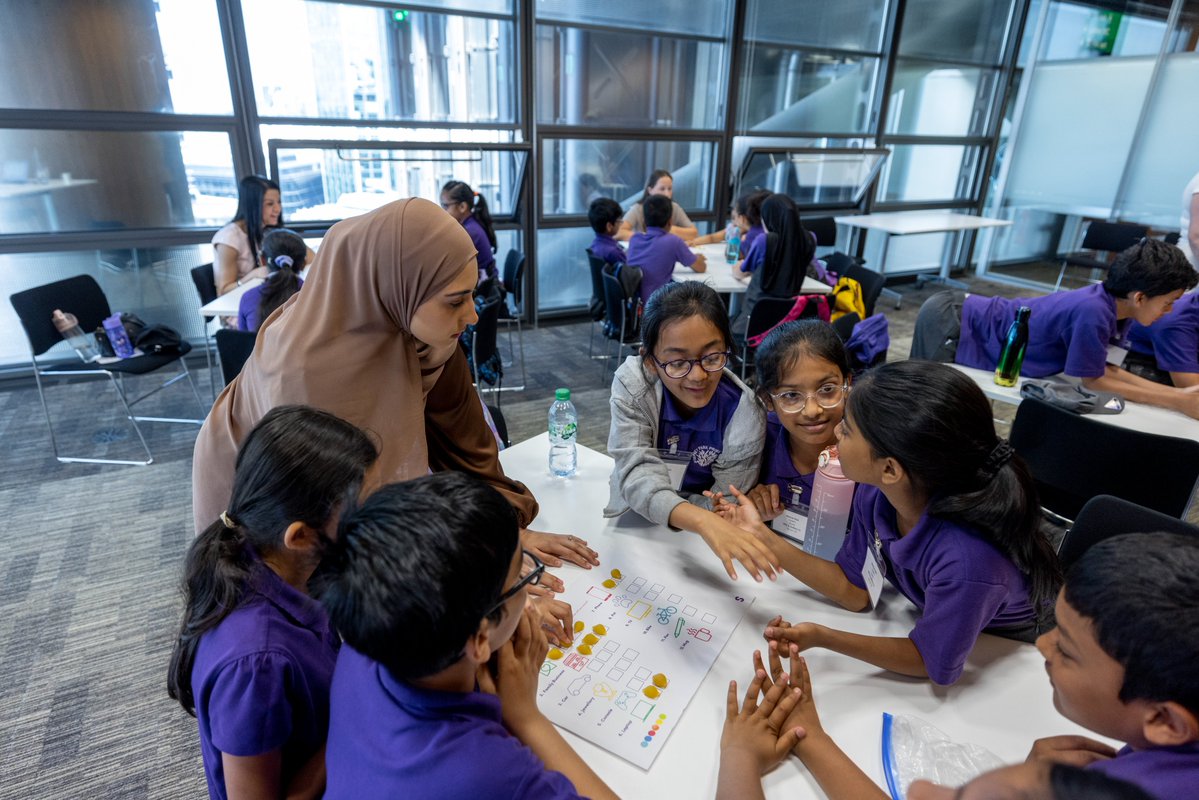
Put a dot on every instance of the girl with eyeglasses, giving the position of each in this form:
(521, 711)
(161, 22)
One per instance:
(944, 511)
(470, 209)
(676, 398)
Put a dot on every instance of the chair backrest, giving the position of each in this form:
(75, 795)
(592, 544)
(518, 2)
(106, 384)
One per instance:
(486, 328)
(234, 348)
(1112, 236)
(1105, 516)
(824, 229)
(871, 281)
(205, 280)
(80, 295)
(1074, 458)
(767, 313)
(514, 270)
(596, 265)
(845, 323)
(617, 309)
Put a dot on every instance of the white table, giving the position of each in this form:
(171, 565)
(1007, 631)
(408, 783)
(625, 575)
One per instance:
(720, 273)
(1136, 416)
(1002, 702)
(908, 223)
(227, 304)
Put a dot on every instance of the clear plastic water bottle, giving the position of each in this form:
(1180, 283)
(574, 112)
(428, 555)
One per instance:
(732, 248)
(832, 500)
(564, 429)
(68, 326)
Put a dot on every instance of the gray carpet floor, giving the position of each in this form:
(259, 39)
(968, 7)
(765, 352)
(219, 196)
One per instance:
(91, 561)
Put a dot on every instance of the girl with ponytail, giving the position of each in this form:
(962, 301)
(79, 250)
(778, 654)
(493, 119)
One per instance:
(944, 511)
(255, 654)
(470, 209)
(283, 254)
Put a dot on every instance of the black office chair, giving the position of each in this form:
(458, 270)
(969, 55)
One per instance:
(1101, 237)
(1074, 458)
(485, 351)
(204, 279)
(1105, 516)
(597, 307)
(84, 298)
(824, 229)
(623, 314)
(234, 348)
(765, 314)
(513, 280)
(844, 325)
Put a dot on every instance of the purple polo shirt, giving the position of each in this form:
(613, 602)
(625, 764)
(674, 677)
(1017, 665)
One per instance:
(607, 249)
(1067, 332)
(261, 678)
(754, 254)
(779, 469)
(247, 309)
(656, 252)
(752, 234)
(486, 256)
(1173, 340)
(388, 739)
(955, 575)
(702, 435)
(1166, 773)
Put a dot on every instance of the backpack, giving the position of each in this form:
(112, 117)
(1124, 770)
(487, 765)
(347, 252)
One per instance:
(847, 299)
(797, 312)
(158, 340)
(868, 343)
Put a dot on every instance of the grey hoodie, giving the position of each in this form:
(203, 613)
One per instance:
(640, 480)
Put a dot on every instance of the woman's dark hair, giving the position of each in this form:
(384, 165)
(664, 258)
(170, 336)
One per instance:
(284, 252)
(1135, 589)
(937, 424)
(652, 181)
(675, 301)
(297, 465)
(749, 205)
(416, 568)
(789, 248)
(1150, 266)
(460, 192)
(784, 345)
(1068, 782)
(251, 191)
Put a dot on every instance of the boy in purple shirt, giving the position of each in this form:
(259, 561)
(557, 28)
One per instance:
(1122, 662)
(657, 250)
(605, 215)
(1173, 341)
(435, 689)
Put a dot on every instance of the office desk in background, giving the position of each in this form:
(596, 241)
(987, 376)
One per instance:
(1002, 702)
(44, 190)
(720, 276)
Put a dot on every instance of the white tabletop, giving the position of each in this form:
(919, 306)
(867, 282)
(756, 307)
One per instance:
(227, 304)
(1003, 700)
(1137, 416)
(719, 274)
(900, 223)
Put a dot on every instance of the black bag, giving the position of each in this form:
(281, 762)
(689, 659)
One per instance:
(103, 343)
(157, 340)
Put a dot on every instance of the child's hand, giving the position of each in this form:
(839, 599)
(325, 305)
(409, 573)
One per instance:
(755, 737)
(726, 510)
(730, 543)
(554, 617)
(517, 664)
(802, 634)
(1078, 751)
(553, 548)
(765, 497)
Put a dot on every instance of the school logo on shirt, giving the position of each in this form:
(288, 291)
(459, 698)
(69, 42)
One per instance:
(705, 455)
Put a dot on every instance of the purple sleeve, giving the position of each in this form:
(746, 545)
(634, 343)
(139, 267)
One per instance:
(1176, 345)
(522, 774)
(955, 613)
(248, 710)
(852, 555)
(1086, 349)
(682, 253)
(755, 254)
(246, 308)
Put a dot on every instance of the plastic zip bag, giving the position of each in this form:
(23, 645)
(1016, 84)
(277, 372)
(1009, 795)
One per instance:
(914, 749)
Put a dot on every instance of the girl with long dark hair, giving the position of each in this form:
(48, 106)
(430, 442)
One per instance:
(470, 209)
(236, 246)
(283, 253)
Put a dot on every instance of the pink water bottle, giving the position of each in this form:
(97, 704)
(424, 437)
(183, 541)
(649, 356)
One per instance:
(832, 499)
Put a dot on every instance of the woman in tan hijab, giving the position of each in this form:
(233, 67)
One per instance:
(373, 338)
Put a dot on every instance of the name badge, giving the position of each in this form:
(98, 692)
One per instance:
(673, 443)
(872, 573)
(1116, 355)
(796, 493)
(792, 524)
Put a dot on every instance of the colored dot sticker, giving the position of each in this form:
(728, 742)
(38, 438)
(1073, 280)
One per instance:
(616, 574)
(609, 584)
(600, 630)
(651, 733)
(660, 681)
(661, 717)
(590, 638)
(651, 692)
(554, 654)
(654, 728)
(579, 626)
(584, 649)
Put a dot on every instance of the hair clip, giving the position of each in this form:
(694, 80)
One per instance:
(284, 261)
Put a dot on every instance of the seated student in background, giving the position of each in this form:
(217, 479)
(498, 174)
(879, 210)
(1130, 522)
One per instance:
(1069, 332)
(677, 397)
(255, 654)
(470, 209)
(745, 217)
(803, 379)
(283, 253)
(604, 216)
(1172, 343)
(657, 250)
(660, 184)
(435, 693)
(944, 511)
(756, 737)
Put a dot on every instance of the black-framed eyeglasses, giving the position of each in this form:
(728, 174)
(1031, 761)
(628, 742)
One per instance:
(830, 395)
(681, 367)
(530, 578)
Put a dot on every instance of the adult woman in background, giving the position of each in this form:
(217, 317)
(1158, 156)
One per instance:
(660, 182)
(373, 338)
(237, 245)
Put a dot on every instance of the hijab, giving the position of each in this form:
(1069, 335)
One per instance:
(343, 345)
(789, 248)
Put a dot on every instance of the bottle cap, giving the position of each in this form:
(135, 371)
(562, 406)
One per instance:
(562, 394)
(829, 463)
